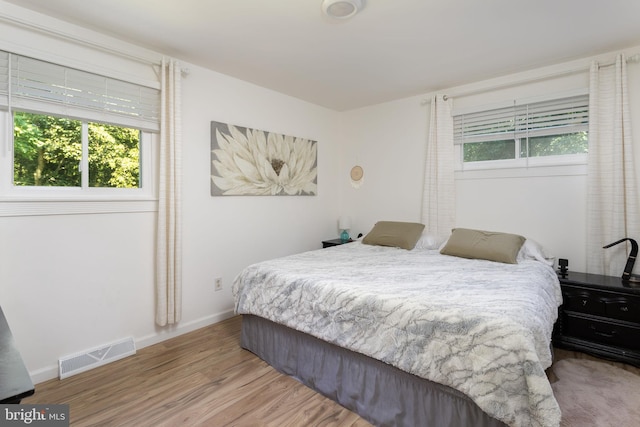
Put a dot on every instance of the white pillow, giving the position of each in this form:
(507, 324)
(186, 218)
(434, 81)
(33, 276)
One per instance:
(428, 241)
(533, 250)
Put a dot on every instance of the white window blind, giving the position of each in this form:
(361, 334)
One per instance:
(554, 117)
(29, 84)
(4, 79)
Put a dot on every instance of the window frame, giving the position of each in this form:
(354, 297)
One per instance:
(50, 200)
(31, 200)
(517, 162)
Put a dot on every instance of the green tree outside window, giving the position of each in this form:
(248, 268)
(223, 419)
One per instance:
(48, 152)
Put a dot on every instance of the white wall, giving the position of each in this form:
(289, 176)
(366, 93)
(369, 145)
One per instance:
(224, 234)
(388, 141)
(69, 283)
(547, 205)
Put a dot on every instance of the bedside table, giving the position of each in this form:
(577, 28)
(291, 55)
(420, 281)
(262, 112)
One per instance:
(599, 315)
(334, 242)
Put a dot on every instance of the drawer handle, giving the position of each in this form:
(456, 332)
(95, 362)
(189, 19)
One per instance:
(603, 334)
(584, 302)
(625, 308)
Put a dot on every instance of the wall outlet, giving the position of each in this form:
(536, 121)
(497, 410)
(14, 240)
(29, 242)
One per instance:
(218, 284)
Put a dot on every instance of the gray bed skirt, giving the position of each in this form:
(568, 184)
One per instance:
(379, 393)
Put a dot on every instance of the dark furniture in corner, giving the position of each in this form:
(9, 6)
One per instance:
(15, 382)
(599, 315)
(334, 242)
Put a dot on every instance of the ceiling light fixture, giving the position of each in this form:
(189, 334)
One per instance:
(341, 9)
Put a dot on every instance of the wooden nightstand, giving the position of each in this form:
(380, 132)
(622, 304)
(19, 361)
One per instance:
(334, 242)
(599, 315)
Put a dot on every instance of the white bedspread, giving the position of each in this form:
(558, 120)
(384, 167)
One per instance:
(481, 327)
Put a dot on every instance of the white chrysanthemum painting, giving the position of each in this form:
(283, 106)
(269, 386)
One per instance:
(253, 162)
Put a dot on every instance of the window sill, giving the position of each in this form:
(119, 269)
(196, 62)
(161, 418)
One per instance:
(22, 207)
(523, 172)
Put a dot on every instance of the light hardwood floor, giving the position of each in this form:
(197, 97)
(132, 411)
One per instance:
(202, 378)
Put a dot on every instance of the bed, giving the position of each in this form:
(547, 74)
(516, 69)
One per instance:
(409, 337)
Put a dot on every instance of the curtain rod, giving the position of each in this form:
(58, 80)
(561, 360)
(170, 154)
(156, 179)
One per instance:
(632, 58)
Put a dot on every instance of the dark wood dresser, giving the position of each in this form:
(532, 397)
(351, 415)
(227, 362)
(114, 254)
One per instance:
(15, 382)
(600, 315)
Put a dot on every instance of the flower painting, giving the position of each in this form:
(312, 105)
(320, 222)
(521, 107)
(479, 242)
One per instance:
(249, 162)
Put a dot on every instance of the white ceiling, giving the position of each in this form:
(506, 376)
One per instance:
(391, 50)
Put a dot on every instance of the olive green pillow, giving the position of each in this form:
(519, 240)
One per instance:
(392, 233)
(478, 244)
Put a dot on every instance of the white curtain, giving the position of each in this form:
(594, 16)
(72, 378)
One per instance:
(438, 201)
(612, 196)
(169, 226)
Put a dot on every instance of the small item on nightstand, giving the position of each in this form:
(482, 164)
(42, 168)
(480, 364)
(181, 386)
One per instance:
(626, 274)
(344, 224)
(563, 267)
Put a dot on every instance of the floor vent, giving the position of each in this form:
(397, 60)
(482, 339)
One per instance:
(93, 358)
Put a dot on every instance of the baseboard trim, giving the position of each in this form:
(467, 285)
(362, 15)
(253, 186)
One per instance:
(161, 334)
(164, 333)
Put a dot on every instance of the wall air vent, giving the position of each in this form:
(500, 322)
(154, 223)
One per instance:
(74, 364)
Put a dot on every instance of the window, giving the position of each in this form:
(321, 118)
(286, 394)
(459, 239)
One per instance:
(51, 151)
(542, 133)
(73, 133)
